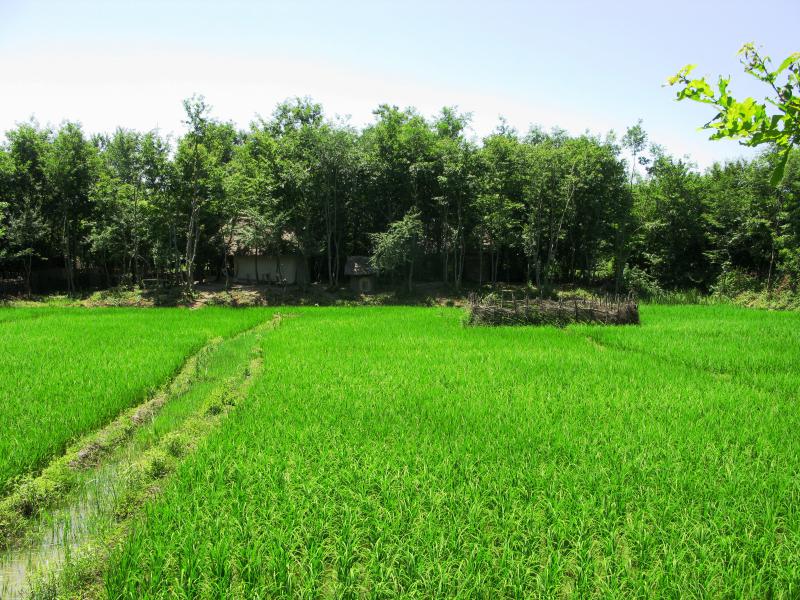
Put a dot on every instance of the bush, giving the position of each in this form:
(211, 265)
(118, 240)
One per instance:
(776, 300)
(690, 296)
(641, 283)
(734, 282)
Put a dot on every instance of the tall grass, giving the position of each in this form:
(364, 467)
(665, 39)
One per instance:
(390, 451)
(68, 371)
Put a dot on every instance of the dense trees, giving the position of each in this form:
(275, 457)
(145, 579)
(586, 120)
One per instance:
(418, 194)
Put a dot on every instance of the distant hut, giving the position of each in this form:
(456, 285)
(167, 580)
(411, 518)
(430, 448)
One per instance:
(361, 273)
(288, 267)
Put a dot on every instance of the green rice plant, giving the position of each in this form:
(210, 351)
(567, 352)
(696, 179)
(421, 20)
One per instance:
(754, 347)
(389, 452)
(8, 315)
(67, 371)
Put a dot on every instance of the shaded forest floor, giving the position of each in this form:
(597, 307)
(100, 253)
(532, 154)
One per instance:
(318, 294)
(242, 295)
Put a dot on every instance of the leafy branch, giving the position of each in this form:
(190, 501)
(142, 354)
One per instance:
(774, 121)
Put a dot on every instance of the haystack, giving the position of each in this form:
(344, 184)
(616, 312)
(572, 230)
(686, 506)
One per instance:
(613, 310)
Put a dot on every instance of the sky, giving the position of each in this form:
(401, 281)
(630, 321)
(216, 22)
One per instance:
(575, 64)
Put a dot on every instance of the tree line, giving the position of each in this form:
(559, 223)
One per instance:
(417, 194)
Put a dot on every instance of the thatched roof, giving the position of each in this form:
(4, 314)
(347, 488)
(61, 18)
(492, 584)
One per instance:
(358, 265)
(240, 248)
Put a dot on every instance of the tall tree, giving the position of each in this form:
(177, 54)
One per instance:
(71, 170)
(26, 194)
(499, 203)
(118, 226)
(6, 178)
(201, 158)
(160, 207)
(399, 245)
(456, 189)
(635, 141)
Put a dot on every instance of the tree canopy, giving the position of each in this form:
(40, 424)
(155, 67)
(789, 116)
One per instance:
(416, 193)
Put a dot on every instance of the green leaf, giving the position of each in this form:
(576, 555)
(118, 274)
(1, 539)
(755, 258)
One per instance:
(681, 75)
(792, 58)
(777, 174)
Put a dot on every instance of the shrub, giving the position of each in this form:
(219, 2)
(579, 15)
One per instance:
(733, 282)
(641, 283)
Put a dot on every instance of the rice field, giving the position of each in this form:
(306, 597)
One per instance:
(65, 372)
(754, 347)
(390, 452)
(393, 452)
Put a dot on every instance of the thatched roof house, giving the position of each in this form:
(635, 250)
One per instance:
(361, 273)
(254, 266)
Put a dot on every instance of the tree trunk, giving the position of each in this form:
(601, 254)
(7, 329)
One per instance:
(769, 272)
(27, 265)
(619, 263)
(480, 264)
(67, 257)
(336, 264)
(329, 243)
(458, 249)
(176, 261)
(191, 246)
(555, 232)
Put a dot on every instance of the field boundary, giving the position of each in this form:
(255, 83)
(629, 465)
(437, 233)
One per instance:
(34, 494)
(143, 479)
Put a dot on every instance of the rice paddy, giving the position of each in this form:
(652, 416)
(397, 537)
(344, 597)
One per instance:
(385, 452)
(65, 372)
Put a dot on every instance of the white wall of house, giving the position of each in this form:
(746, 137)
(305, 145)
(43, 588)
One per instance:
(292, 269)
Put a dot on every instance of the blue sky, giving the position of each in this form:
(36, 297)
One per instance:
(575, 64)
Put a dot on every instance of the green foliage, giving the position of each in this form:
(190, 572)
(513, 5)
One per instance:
(732, 282)
(672, 233)
(6, 178)
(774, 121)
(635, 140)
(782, 299)
(642, 283)
(399, 245)
(544, 208)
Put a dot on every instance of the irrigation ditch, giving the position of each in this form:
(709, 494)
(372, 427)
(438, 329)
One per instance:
(58, 528)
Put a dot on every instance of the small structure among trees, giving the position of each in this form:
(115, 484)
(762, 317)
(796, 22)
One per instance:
(265, 268)
(361, 273)
(263, 253)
